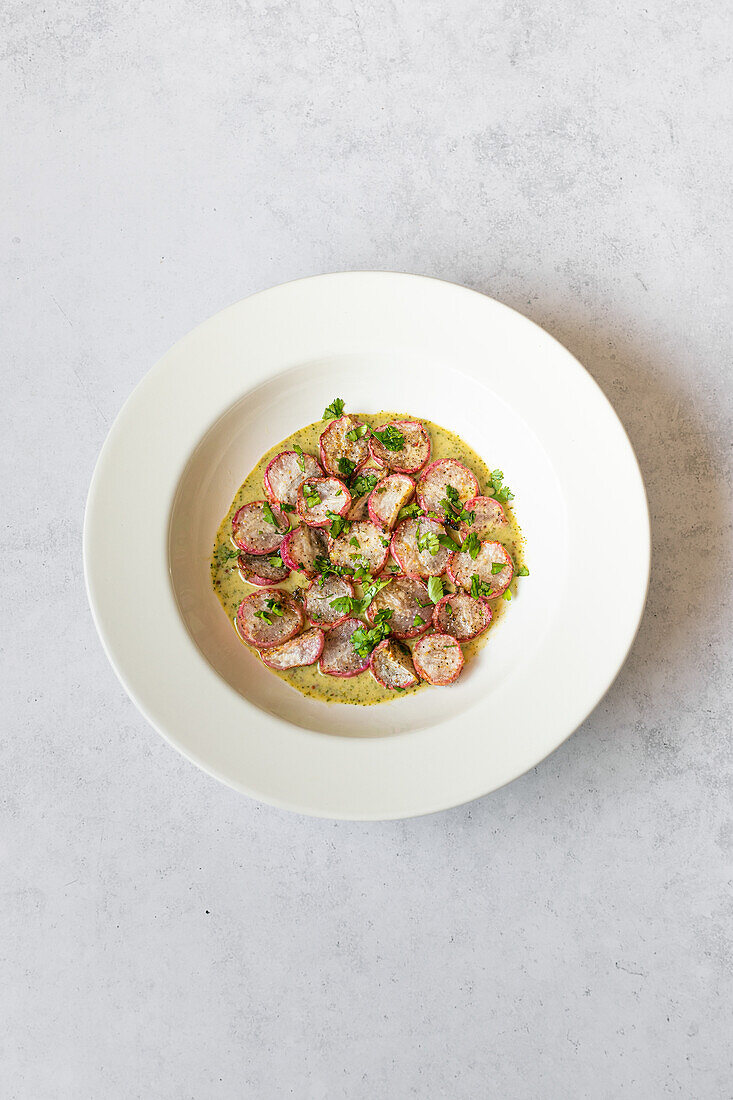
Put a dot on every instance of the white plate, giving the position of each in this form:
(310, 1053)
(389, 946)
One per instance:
(251, 375)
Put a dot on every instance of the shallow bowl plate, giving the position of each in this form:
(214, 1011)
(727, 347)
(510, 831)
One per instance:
(248, 377)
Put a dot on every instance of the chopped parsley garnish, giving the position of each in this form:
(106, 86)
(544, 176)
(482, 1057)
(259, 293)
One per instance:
(471, 545)
(497, 490)
(454, 509)
(384, 542)
(345, 605)
(310, 496)
(523, 571)
(275, 607)
(447, 542)
(496, 567)
(346, 468)
(334, 410)
(261, 614)
(507, 595)
(357, 433)
(435, 589)
(363, 483)
(352, 605)
(287, 508)
(275, 561)
(339, 525)
(364, 641)
(418, 621)
(299, 452)
(269, 514)
(353, 541)
(226, 553)
(429, 542)
(448, 610)
(391, 438)
(480, 588)
(409, 511)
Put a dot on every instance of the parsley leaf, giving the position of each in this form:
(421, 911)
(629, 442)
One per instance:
(472, 545)
(269, 514)
(507, 595)
(299, 452)
(364, 641)
(480, 588)
(391, 438)
(435, 589)
(275, 607)
(310, 495)
(275, 561)
(496, 567)
(417, 621)
(346, 468)
(287, 508)
(339, 525)
(427, 542)
(363, 483)
(345, 605)
(409, 511)
(353, 541)
(523, 571)
(261, 614)
(357, 433)
(334, 410)
(498, 491)
(447, 543)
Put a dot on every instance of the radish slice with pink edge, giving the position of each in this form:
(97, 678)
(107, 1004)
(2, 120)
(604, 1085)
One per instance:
(300, 548)
(431, 488)
(286, 473)
(387, 498)
(462, 616)
(333, 499)
(319, 599)
(413, 454)
(391, 666)
(488, 516)
(258, 528)
(260, 570)
(438, 659)
(268, 618)
(339, 658)
(335, 445)
(363, 545)
(408, 600)
(462, 568)
(409, 557)
(304, 649)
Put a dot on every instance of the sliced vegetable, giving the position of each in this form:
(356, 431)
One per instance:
(261, 570)
(388, 497)
(413, 452)
(391, 666)
(321, 499)
(408, 600)
(285, 474)
(320, 599)
(302, 546)
(268, 618)
(438, 659)
(437, 478)
(339, 657)
(416, 547)
(488, 516)
(304, 649)
(462, 616)
(367, 551)
(492, 566)
(258, 528)
(340, 440)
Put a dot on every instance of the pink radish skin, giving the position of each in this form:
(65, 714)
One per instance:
(301, 547)
(415, 451)
(256, 569)
(334, 498)
(339, 658)
(251, 531)
(462, 567)
(283, 476)
(334, 445)
(469, 617)
(488, 515)
(304, 649)
(391, 666)
(431, 488)
(264, 635)
(438, 659)
(406, 597)
(387, 498)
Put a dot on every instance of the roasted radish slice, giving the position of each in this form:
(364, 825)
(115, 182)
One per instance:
(339, 657)
(259, 527)
(364, 546)
(269, 618)
(493, 568)
(347, 439)
(462, 616)
(262, 571)
(408, 600)
(301, 548)
(322, 498)
(392, 666)
(438, 659)
(387, 497)
(319, 600)
(286, 473)
(433, 487)
(413, 452)
(359, 508)
(416, 547)
(305, 649)
(488, 515)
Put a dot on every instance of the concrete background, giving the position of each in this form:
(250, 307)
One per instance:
(569, 936)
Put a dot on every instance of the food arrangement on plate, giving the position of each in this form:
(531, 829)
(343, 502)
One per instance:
(391, 552)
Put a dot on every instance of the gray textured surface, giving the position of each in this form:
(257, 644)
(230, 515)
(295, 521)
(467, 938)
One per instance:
(569, 936)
